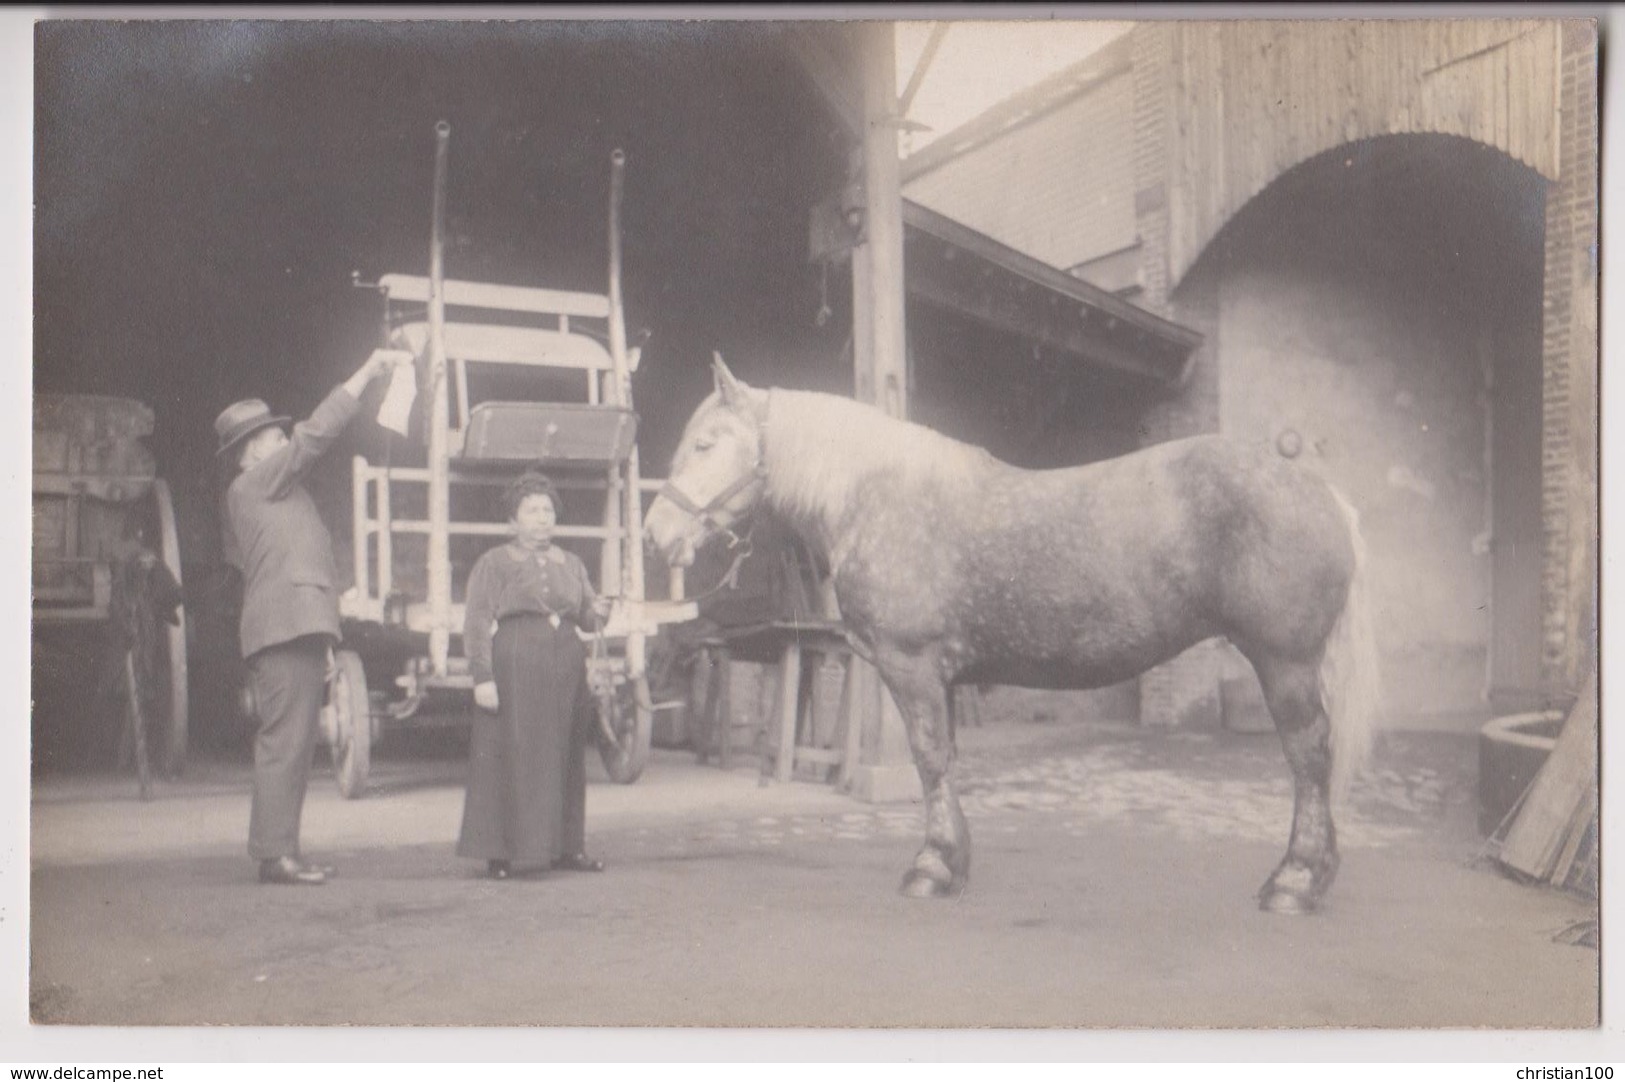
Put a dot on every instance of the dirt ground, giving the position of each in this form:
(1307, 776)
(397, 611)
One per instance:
(1112, 887)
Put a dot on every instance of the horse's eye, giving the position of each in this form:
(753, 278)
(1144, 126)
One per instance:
(704, 444)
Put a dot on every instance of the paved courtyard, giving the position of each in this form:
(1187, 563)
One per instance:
(1112, 887)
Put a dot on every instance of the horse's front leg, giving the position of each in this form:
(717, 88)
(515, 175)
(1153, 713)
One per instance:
(943, 863)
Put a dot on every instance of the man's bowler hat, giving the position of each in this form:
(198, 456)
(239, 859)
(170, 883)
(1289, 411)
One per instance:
(242, 419)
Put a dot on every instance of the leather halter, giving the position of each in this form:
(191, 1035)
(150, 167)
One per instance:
(671, 492)
(757, 474)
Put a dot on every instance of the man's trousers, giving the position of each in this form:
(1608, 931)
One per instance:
(290, 682)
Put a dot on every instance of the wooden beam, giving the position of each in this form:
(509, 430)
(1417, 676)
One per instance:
(882, 370)
(833, 76)
(459, 294)
(922, 66)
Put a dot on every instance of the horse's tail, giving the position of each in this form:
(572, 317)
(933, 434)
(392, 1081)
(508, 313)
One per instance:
(1350, 680)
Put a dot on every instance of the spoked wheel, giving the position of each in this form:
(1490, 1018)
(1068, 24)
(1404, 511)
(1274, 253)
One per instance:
(347, 723)
(177, 720)
(625, 722)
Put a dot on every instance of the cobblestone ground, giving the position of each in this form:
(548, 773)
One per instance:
(1419, 789)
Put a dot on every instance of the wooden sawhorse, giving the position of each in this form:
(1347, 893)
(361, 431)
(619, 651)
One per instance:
(785, 644)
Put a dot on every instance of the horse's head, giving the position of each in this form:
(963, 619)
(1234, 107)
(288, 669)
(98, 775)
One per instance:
(717, 476)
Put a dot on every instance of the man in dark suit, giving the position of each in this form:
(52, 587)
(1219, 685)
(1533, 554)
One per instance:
(275, 537)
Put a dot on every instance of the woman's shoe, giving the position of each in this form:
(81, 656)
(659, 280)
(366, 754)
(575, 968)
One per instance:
(498, 869)
(289, 871)
(578, 862)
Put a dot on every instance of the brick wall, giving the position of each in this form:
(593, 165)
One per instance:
(1569, 399)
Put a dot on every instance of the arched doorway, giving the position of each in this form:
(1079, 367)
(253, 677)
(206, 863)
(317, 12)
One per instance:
(1377, 312)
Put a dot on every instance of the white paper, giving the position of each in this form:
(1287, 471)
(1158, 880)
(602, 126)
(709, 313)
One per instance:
(396, 411)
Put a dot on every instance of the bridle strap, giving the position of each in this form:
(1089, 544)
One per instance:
(757, 475)
(678, 497)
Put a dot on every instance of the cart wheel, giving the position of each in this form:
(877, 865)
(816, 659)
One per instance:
(177, 719)
(347, 723)
(624, 727)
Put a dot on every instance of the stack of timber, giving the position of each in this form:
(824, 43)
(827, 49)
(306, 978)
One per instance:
(1553, 838)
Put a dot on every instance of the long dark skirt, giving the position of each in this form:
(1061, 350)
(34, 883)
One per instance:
(527, 786)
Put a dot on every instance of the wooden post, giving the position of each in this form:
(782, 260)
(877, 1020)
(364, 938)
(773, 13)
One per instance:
(439, 420)
(880, 360)
(789, 709)
(358, 527)
(621, 502)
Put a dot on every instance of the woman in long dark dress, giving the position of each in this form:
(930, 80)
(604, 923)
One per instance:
(527, 790)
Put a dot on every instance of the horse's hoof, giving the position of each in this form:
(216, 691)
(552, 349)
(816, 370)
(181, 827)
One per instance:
(1272, 900)
(1294, 889)
(916, 884)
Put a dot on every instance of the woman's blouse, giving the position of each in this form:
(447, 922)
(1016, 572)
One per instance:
(512, 579)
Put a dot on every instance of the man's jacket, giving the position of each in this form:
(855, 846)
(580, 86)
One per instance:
(276, 539)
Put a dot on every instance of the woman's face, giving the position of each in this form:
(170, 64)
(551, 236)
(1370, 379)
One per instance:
(534, 519)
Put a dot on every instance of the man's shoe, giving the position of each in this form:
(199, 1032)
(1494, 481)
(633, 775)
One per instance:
(290, 872)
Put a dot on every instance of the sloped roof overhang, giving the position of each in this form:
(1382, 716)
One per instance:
(953, 267)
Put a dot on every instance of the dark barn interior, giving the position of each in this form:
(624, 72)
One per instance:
(211, 193)
(207, 190)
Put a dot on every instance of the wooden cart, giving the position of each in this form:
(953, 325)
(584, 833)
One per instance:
(418, 527)
(96, 494)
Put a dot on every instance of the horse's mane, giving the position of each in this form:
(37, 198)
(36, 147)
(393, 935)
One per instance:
(820, 447)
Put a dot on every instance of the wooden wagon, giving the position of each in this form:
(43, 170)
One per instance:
(97, 501)
(418, 527)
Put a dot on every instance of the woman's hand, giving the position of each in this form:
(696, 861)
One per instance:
(601, 608)
(485, 695)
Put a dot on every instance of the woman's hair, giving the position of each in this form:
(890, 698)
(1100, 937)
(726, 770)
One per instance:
(530, 483)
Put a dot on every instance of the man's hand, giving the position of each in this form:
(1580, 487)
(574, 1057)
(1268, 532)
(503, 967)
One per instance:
(485, 695)
(382, 361)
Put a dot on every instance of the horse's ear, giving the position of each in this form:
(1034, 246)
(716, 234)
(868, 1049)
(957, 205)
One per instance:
(732, 390)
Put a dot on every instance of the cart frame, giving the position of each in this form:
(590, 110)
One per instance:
(617, 666)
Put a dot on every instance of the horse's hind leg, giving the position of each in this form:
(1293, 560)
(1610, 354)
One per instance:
(1292, 690)
(943, 863)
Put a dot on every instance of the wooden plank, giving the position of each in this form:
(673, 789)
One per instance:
(536, 347)
(496, 529)
(461, 294)
(1566, 780)
(1575, 837)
